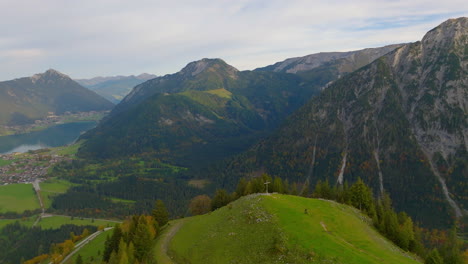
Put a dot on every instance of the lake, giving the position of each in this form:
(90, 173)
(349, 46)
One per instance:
(55, 136)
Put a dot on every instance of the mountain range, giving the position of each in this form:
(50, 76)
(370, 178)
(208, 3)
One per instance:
(399, 123)
(207, 111)
(393, 116)
(114, 88)
(27, 99)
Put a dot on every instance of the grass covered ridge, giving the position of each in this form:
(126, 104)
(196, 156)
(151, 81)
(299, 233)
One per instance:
(279, 229)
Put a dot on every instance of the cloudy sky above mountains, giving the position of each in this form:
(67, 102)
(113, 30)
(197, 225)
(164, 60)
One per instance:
(88, 38)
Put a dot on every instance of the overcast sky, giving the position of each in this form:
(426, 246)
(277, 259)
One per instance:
(88, 38)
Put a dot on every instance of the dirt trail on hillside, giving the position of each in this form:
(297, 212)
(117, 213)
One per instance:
(163, 245)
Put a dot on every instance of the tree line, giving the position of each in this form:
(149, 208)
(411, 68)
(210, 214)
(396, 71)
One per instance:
(19, 243)
(132, 241)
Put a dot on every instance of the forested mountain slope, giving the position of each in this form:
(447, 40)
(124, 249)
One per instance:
(208, 110)
(400, 123)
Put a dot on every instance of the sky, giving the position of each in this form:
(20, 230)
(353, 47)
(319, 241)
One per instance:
(89, 38)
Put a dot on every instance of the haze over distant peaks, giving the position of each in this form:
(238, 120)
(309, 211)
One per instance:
(115, 88)
(100, 79)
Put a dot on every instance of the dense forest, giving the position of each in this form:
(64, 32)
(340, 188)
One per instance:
(20, 243)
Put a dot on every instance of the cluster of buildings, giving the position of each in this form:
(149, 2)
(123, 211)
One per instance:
(19, 169)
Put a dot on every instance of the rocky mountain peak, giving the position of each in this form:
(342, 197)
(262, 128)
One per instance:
(203, 65)
(50, 73)
(449, 35)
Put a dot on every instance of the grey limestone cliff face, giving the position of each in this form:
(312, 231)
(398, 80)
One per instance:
(344, 61)
(432, 77)
(427, 84)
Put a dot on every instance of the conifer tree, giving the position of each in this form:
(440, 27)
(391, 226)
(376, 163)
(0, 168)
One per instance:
(248, 188)
(305, 190)
(160, 213)
(277, 185)
(241, 186)
(112, 243)
(122, 254)
(142, 239)
(361, 196)
(286, 187)
(131, 253)
(434, 258)
(220, 199)
(293, 189)
(318, 193)
(113, 259)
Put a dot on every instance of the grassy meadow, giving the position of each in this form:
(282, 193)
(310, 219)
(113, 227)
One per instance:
(28, 221)
(281, 229)
(91, 253)
(18, 198)
(56, 221)
(51, 188)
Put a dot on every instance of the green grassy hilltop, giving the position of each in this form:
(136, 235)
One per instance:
(278, 229)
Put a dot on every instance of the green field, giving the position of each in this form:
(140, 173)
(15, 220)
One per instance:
(118, 200)
(51, 188)
(26, 221)
(276, 229)
(18, 198)
(57, 221)
(92, 252)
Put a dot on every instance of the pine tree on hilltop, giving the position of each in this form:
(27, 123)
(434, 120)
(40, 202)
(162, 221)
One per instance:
(220, 199)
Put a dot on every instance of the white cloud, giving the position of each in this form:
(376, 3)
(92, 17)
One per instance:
(102, 37)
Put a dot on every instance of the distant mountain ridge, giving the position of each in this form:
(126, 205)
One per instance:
(322, 69)
(114, 88)
(348, 61)
(100, 79)
(26, 99)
